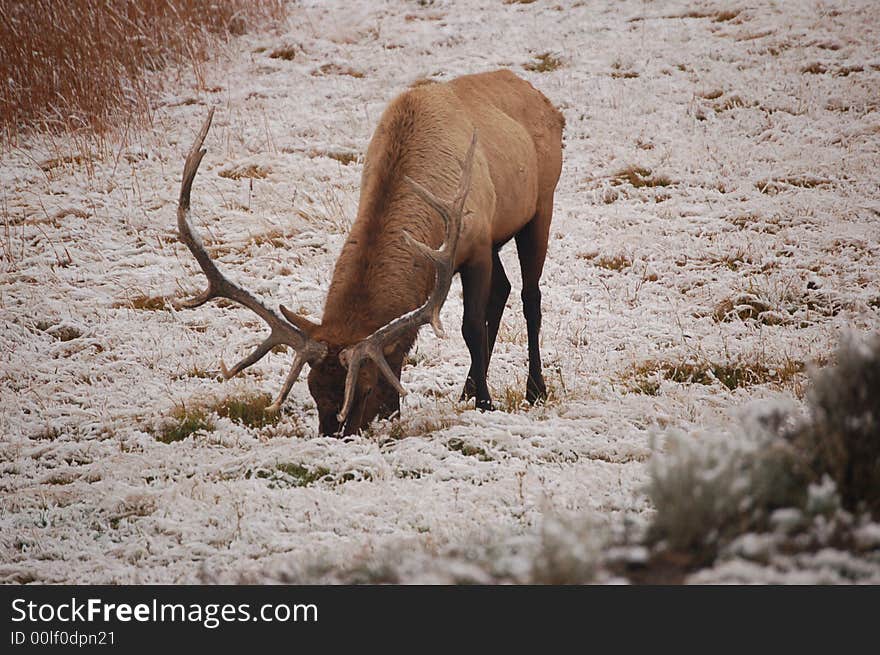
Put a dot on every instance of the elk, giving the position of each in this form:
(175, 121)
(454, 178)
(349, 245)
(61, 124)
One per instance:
(453, 171)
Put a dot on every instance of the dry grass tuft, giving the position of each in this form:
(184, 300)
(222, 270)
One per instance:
(638, 176)
(843, 71)
(814, 69)
(512, 398)
(817, 68)
(344, 157)
(747, 306)
(146, 303)
(286, 52)
(616, 262)
(69, 66)
(716, 16)
(730, 102)
(57, 162)
(468, 449)
(779, 184)
(422, 81)
(251, 171)
(276, 237)
(544, 63)
(61, 331)
(724, 16)
(336, 69)
(646, 377)
(711, 95)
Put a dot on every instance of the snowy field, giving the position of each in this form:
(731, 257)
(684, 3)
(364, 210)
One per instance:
(716, 222)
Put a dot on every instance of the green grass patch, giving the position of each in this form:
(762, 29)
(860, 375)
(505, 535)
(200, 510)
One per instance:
(286, 475)
(184, 423)
(249, 410)
(296, 475)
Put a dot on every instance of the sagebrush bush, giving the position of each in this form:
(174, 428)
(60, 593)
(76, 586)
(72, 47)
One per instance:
(844, 430)
(709, 490)
(562, 550)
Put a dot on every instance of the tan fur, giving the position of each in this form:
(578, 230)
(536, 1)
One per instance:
(423, 133)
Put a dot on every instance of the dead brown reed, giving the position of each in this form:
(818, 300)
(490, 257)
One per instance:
(81, 65)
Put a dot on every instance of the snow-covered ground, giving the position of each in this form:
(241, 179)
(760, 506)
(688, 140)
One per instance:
(763, 117)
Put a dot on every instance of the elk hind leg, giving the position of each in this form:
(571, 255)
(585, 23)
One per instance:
(531, 247)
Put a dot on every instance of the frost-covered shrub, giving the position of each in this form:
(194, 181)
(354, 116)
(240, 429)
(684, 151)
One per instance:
(562, 550)
(569, 552)
(709, 489)
(844, 430)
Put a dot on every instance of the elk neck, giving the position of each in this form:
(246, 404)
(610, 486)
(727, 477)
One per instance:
(377, 276)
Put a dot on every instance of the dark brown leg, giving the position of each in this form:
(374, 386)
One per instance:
(475, 282)
(497, 300)
(498, 294)
(531, 246)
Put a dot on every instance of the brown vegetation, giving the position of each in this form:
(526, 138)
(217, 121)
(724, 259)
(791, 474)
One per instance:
(71, 65)
(645, 378)
(544, 63)
(638, 176)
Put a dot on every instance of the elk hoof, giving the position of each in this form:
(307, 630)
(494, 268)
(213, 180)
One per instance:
(536, 391)
(485, 405)
(469, 391)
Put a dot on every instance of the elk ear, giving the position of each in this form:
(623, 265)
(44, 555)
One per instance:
(302, 323)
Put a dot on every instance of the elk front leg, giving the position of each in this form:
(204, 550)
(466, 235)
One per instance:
(498, 294)
(497, 300)
(475, 282)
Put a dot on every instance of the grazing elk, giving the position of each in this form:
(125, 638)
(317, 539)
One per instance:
(493, 144)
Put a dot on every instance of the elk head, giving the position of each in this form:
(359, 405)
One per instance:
(351, 382)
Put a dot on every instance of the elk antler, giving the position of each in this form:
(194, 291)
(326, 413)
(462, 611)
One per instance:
(444, 261)
(282, 331)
